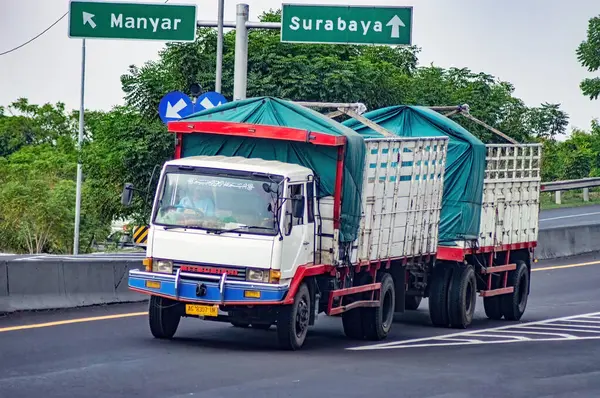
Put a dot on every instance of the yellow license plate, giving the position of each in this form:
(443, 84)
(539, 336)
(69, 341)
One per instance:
(201, 310)
(153, 284)
(252, 294)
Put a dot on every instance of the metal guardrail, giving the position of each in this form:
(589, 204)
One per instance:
(570, 184)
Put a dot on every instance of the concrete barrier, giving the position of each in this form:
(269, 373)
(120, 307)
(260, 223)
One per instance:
(38, 285)
(567, 242)
(43, 284)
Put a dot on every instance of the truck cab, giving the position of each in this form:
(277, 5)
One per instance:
(227, 233)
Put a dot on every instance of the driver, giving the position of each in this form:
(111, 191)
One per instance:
(200, 198)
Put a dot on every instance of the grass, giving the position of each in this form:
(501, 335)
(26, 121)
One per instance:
(572, 198)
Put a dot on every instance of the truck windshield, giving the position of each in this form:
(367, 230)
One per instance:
(216, 203)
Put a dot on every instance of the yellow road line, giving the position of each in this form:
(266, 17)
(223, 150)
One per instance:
(132, 314)
(566, 266)
(68, 321)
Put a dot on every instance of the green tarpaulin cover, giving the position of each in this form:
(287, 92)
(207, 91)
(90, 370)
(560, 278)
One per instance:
(465, 163)
(321, 159)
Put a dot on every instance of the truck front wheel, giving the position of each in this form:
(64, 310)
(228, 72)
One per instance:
(378, 321)
(164, 317)
(292, 320)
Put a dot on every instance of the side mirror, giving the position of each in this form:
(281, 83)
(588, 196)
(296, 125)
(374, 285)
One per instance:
(266, 187)
(298, 206)
(127, 194)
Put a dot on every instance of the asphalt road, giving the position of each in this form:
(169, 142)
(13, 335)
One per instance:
(568, 217)
(118, 357)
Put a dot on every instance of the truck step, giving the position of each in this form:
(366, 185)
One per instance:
(500, 268)
(496, 292)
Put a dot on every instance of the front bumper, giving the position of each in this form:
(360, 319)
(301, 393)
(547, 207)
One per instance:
(183, 286)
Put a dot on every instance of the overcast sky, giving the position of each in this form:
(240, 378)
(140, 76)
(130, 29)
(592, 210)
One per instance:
(530, 43)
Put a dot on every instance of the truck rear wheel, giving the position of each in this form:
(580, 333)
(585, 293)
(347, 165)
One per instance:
(292, 320)
(438, 295)
(462, 296)
(352, 323)
(514, 304)
(493, 305)
(378, 321)
(412, 302)
(163, 316)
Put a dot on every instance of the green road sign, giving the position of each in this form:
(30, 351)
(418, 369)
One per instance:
(142, 21)
(346, 24)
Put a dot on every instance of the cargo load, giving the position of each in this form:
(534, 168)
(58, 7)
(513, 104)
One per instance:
(465, 164)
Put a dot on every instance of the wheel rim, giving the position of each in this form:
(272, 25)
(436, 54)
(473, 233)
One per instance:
(386, 309)
(302, 317)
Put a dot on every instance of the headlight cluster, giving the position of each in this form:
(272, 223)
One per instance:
(163, 266)
(263, 276)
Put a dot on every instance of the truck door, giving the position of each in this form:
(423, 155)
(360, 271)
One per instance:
(298, 228)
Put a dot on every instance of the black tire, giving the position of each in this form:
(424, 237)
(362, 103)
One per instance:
(438, 295)
(238, 324)
(292, 320)
(163, 316)
(411, 303)
(261, 326)
(352, 323)
(493, 305)
(462, 296)
(514, 304)
(377, 322)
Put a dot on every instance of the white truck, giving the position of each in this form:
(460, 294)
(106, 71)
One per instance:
(260, 224)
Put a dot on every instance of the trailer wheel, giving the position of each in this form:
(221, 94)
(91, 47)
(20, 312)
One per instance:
(462, 297)
(352, 323)
(412, 302)
(163, 316)
(292, 320)
(493, 305)
(438, 296)
(514, 304)
(378, 321)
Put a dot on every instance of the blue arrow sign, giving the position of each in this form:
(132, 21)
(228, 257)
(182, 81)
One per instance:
(174, 106)
(209, 100)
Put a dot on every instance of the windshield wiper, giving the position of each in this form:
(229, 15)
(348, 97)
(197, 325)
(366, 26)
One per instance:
(223, 231)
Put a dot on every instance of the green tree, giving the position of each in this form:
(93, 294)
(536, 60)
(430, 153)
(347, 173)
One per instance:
(588, 55)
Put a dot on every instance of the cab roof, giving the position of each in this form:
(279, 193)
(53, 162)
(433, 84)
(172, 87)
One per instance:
(239, 163)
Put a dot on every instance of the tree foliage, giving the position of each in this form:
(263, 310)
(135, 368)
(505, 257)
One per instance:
(38, 155)
(588, 54)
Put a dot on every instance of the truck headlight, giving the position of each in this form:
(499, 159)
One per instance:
(263, 276)
(164, 266)
(256, 275)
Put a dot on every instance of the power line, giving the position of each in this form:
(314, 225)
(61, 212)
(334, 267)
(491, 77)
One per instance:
(44, 31)
(29, 41)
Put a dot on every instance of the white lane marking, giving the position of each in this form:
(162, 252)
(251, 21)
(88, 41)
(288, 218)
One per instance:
(551, 327)
(570, 216)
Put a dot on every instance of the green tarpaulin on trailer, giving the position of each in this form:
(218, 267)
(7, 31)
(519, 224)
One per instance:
(465, 163)
(321, 159)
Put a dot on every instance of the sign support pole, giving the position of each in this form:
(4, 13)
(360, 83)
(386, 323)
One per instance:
(241, 53)
(219, 73)
(79, 144)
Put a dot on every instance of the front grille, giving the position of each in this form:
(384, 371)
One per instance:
(233, 273)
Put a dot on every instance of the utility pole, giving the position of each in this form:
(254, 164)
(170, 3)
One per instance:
(79, 144)
(240, 80)
(219, 73)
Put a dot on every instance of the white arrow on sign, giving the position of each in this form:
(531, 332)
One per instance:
(88, 18)
(173, 110)
(395, 23)
(207, 104)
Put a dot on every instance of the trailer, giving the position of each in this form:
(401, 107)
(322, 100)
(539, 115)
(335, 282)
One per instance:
(271, 214)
